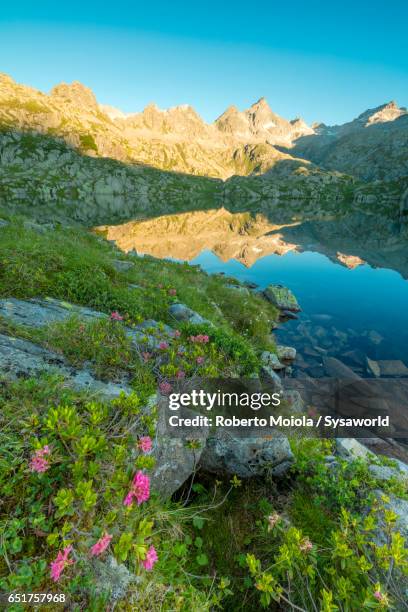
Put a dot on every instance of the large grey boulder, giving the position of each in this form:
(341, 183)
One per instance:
(282, 298)
(176, 459)
(20, 358)
(181, 312)
(353, 449)
(41, 312)
(350, 448)
(271, 360)
(286, 353)
(269, 374)
(121, 265)
(227, 454)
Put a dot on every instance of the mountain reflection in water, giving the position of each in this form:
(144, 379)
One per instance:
(348, 275)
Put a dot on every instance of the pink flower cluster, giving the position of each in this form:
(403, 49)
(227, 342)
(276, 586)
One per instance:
(163, 346)
(101, 545)
(200, 360)
(172, 291)
(115, 316)
(180, 374)
(378, 596)
(39, 463)
(151, 558)
(200, 339)
(145, 444)
(140, 489)
(176, 333)
(165, 387)
(60, 563)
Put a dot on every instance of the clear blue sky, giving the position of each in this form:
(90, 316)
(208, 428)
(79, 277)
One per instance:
(323, 60)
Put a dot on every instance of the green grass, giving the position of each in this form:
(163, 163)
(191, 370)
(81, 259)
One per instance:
(76, 266)
(103, 342)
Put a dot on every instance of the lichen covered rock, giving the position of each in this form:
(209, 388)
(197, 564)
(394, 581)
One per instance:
(282, 298)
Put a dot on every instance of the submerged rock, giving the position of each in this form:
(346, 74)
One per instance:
(287, 314)
(227, 454)
(392, 367)
(282, 297)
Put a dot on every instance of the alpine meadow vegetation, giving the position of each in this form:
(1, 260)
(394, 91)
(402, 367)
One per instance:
(79, 511)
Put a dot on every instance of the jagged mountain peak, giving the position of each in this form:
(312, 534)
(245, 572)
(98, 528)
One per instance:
(260, 123)
(386, 112)
(261, 103)
(75, 93)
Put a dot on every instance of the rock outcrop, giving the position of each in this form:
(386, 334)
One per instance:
(229, 454)
(23, 359)
(282, 298)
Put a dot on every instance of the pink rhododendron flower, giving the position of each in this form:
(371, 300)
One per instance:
(140, 489)
(128, 499)
(60, 563)
(145, 444)
(181, 374)
(378, 595)
(200, 339)
(151, 558)
(115, 316)
(176, 333)
(101, 545)
(200, 360)
(38, 462)
(172, 291)
(163, 346)
(165, 387)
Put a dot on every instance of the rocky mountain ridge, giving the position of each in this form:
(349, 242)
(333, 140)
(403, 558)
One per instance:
(253, 141)
(63, 155)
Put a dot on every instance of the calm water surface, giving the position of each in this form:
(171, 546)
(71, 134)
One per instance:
(347, 313)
